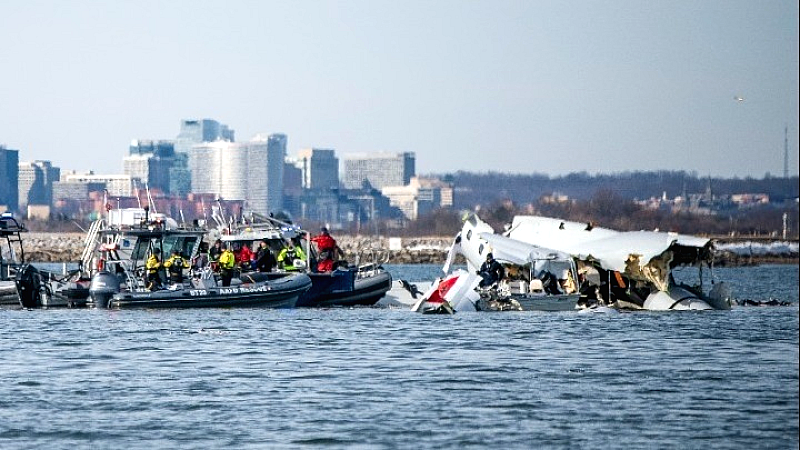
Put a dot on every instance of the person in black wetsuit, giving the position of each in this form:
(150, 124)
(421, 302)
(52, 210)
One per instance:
(265, 260)
(491, 271)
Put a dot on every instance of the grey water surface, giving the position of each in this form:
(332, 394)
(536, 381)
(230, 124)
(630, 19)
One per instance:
(390, 378)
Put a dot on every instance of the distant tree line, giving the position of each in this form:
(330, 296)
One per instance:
(473, 189)
(609, 201)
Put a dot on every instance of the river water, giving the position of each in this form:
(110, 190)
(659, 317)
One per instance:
(389, 378)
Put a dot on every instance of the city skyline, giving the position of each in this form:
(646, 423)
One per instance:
(512, 86)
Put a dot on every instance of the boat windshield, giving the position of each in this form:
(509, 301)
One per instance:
(184, 244)
(144, 246)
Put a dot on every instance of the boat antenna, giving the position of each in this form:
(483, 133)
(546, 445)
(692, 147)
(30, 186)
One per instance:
(221, 212)
(150, 198)
(106, 205)
(226, 221)
(215, 215)
(138, 198)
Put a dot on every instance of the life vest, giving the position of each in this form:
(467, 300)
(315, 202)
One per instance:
(325, 242)
(175, 264)
(227, 260)
(326, 265)
(153, 264)
(287, 257)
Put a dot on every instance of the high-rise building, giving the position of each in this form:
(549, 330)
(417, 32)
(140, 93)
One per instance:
(116, 185)
(148, 171)
(160, 148)
(320, 168)
(379, 170)
(149, 164)
(36, 183)
(75, 190)
(251, 171)
(9, 179)
(204, 130)
(180, 177)
(420, 196)
(276, 154)
(193, 132)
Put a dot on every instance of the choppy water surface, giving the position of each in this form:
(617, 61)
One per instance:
(389, 378)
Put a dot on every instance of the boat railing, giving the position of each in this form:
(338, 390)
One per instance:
(89, 244)
(134, 281)
(370, 260)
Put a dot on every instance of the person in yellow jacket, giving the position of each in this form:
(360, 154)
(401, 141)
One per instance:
(288, 255)
(175, 265)
(227, 261)
(153, 266)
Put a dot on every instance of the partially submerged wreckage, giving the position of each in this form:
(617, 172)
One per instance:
(632, 269)
(558, 265)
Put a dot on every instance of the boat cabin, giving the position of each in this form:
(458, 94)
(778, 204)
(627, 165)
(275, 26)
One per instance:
(12, 253)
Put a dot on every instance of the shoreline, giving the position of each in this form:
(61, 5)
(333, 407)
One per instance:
(67, 247)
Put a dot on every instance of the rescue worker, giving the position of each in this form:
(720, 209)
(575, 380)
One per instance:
(327, 249)
(153, 266)
(175, 265)
(287, 256)
(200, 261)
(245, 257)
(213, 255)
(265, 261)
(491, 271)
(227, 262)
(325, 263)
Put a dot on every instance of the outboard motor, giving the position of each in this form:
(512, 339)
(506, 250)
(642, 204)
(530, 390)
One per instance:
(29, 285)
(103, 286)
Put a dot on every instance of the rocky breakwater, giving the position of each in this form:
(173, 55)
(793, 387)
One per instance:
(53, 247)
(417, 250)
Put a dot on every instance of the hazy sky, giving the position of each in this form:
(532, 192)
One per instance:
(516, 86)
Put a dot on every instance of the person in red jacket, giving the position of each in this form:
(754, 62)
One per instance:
(244, 258)
(327, 249)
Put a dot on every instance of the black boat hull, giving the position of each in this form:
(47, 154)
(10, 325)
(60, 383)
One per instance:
(346, 288)
(278, 293)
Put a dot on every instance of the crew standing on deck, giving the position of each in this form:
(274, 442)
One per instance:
(227, 262)
(153, 266)
(175, 265)
(200, 261)
(327, 248)
(214, 253)
(265, 261)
